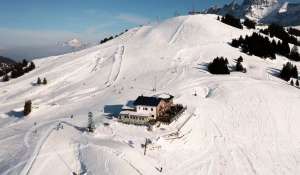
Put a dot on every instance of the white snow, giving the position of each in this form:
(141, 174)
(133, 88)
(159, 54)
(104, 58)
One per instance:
(237, 124)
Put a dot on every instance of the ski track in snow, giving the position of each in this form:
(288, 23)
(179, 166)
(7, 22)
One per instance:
(116, 67)
(178, 31)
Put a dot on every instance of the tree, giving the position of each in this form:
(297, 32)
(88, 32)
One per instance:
(218, 18)
(219, 66)
(45, 81)
(249, 24)
(31, 66)
(292, 83)
(240, 59)
(297, 83)
(239, 67)
(91, 124)
(294, 55)
(24, 63)
(231, 20)
(289, 71)
(27, 107)
(5, 78)
(39, 81)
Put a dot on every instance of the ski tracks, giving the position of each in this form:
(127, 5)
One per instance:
(116, 67)
(177, 32)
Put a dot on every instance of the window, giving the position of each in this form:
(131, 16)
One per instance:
(151, 109)
(153, 116)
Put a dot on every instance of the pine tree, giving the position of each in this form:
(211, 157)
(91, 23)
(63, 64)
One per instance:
(219, 66)
(45, 81)
(24, 63)
(27, 107)
(239, 67)
(297, 83)
(240, 59)
(39, 81)
(31, 66)
(289, 71)
(5, 78)
(91, 124)
(249, 24)
(292, 83)
(294, 55)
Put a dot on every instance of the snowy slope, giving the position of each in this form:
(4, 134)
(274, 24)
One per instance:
(238, 124)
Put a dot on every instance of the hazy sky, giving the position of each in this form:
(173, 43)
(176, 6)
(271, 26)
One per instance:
(31, 23)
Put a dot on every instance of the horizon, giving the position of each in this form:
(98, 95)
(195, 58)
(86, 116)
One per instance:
(36, 28)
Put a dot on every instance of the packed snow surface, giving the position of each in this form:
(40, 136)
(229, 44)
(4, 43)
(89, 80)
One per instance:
(237, 124)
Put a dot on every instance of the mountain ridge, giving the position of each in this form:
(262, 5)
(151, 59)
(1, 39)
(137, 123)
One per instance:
(263, 11)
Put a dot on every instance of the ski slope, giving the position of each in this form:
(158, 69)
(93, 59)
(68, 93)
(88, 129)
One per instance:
(237, 124)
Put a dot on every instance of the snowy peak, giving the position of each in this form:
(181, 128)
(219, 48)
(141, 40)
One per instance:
(260, 2)
(264, 11)
(74, 43)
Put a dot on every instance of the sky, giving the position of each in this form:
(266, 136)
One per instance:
(31, 24)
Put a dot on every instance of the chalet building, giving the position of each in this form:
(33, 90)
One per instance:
(146, 109)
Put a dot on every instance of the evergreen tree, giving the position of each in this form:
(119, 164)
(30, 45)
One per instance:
(27, 107)
(231, 20)
(292, 83)
(297, 83)
(39, 81)
(249, 24)
(24, 63)
(285, 49)
(5, 78)
(240, 59)
(31, 66)
(294, 55)
(91, 124)
(45, 81)
(219, 66)
(289, 71)
(295, 72)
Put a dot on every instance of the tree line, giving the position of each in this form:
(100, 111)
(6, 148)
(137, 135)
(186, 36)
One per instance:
(236, 22)
(111, 37)
(278, 31)
(219, 65)
(18, 69)
(261, 46)
(293, 31)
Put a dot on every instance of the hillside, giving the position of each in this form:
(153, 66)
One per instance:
(237, 124)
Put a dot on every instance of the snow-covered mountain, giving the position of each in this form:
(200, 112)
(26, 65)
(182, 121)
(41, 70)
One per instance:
(237, 124)
(264, 11)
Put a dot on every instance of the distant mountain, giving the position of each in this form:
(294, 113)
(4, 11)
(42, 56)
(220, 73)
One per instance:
(6, 60)
(74, 44)
(263, 11)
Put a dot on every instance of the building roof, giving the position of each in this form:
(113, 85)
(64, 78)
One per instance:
(147, 101)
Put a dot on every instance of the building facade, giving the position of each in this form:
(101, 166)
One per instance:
(146, 109)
